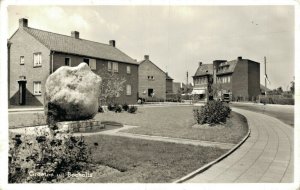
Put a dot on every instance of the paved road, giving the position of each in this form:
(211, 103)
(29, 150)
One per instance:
(266, 156)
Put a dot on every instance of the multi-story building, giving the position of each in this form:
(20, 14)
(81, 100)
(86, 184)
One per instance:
(240, 77)
(154, 83)
(34, 54)
(202, 80)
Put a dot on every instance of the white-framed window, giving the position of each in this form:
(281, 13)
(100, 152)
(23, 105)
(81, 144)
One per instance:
(92, 64)
(150, 78)
(37, 59)
(115, 67)
(109, 65)
(22, 60)
(128, 69)
(37, 88)
(67, 61)
(128, 89)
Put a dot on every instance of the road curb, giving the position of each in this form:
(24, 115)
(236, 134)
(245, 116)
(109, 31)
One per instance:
(205, 167)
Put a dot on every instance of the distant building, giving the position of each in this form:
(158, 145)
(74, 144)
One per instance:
(202, 79)
(169, 84)
(176, 87)
(34, 54)
(154, 83)
(240, 77)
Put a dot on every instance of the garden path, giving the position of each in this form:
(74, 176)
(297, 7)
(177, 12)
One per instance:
(265, 157)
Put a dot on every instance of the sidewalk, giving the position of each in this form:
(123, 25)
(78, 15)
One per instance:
(266, 156)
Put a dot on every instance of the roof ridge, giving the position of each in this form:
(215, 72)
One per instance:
(70, 36)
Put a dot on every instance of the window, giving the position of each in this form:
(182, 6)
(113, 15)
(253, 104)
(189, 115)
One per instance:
(37, 89)
(128, 89)
(67, 61)
(150, 78)
(93, 64)
(86, 60)
(22, 60)
(229, 79)
(37, 59)
(109, 65)
(128, 69)
(115, 67)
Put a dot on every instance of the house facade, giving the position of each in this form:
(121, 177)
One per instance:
(202, 80)
(154, 83)
(240, 77)
(34, 54)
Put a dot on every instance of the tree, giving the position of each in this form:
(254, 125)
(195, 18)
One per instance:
(279, 90)
(111, 87)
(292, 88)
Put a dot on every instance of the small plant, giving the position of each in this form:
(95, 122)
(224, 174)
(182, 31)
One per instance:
(132, 109)
(118, 109)
(125, 107)
(213, 112)
(100, 109)
(111, 106)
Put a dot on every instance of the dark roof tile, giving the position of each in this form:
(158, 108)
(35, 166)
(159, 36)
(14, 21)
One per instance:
(68, 44)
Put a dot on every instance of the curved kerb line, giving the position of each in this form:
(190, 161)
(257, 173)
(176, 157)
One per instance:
(205, 167)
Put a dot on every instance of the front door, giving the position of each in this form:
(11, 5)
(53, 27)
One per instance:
(22, 92)
(150, 92)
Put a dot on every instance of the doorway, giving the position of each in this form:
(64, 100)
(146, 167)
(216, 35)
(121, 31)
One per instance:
(22, 92)
(150, 92)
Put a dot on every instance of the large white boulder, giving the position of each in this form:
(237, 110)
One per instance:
(71, 93)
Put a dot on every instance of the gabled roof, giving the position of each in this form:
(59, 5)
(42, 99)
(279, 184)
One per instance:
(147, 60)
(168, 77)
(67, 44)
(204, 69)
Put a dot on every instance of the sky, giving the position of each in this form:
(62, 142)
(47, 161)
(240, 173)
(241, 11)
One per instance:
(177, 38)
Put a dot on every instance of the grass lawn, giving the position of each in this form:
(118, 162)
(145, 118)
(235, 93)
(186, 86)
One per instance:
(27, 119)
(177, 121)
(144, 161)
(281, 112)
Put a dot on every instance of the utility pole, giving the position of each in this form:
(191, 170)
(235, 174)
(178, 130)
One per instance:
(187, 81)
(265, 60)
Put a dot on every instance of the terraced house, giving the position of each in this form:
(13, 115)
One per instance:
(34, 54)
(239, 77)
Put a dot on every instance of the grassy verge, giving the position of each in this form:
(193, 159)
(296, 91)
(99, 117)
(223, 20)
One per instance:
(177, 122)
(144, 161)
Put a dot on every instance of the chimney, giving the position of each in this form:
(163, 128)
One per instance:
(23, 22)
(239, 58)
(112, 43)
(75, 34)
(200, 64)
(146, 57)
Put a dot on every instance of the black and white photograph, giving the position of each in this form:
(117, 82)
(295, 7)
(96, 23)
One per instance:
(182, 94)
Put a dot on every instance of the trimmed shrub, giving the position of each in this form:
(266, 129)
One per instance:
(100, 109)
(173, 98)
(125, 107)
(118, 109)
(111, 107)
(213, 112)
(132, 109)
(277, 100)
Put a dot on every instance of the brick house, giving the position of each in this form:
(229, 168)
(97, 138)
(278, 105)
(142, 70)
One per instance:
(34, 54)
(240, 77)
(154, 83)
